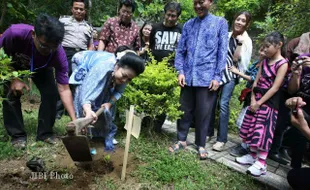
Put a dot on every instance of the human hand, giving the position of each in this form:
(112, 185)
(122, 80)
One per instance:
(214, 85)
(254, 106)
(305, 61)
(233, 69)
(17, 87)
(296, 67)
(91, 114)
(107, 105)
(240, 38)
(295, 102)
(299, 121)
(181, 80)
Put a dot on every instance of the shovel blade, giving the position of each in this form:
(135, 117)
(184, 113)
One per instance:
(78, 148)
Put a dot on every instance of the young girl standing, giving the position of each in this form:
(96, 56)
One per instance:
(259, 123)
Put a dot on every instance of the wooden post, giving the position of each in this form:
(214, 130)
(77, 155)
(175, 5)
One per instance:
(129, 124)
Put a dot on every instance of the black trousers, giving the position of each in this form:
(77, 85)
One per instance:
(12, 113)
(283, 122)
(299, 178)
(196, 102)
(60, 109)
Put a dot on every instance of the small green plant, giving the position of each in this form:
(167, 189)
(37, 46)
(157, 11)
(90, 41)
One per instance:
(154, 92)
(6, 72)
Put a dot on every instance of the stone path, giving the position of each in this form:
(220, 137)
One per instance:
(276, 173)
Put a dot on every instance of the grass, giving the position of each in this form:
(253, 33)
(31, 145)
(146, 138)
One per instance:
(161, 170)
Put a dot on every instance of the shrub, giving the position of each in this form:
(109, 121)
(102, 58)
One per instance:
(154, 92)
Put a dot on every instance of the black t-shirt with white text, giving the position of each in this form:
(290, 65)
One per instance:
(164, 40)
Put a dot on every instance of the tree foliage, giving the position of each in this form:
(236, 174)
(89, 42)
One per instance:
(291, 17)
(14, 11)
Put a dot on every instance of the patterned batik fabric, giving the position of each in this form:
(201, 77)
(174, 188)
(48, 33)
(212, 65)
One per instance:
(115, 34)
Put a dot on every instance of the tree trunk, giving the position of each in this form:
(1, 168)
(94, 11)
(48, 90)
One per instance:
(4, 8)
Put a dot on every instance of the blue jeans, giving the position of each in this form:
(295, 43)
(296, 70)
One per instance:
(227, 90)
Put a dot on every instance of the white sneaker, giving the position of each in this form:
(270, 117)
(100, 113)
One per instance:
(246, 160)
(218, 146)
(114, 141)
(257, 169)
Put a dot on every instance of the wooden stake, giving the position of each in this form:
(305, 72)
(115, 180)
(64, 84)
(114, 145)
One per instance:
(129, 124)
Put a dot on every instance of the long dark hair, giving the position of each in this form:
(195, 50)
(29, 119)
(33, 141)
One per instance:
(144, 24)
(248, 17)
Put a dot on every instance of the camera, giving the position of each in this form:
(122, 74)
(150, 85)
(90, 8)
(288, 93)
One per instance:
(299, 62)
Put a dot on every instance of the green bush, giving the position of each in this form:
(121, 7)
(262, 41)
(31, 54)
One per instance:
(154, 92)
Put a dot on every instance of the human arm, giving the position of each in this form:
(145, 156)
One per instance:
(276, 85)
(137, 41)
(66, 98)
(7, 40)
(233, 69)
(94, 85)
(253, 100)
(298, 120)
(294, 82)
(101, 46)
(104, 35)
(180, 55)
(116, 95)
(91, 44)
(221, 54)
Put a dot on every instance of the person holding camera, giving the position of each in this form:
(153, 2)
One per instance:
(299, 86)
(298, 177)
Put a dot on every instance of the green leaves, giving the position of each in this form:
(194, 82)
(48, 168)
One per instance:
(154, 92)
(6, 72)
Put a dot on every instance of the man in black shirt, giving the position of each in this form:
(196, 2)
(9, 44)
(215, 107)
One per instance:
(165, 35)
(164, 39)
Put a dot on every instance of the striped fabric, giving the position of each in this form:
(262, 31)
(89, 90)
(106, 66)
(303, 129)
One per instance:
(228, 75)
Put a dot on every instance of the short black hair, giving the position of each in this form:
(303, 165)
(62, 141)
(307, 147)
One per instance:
(133, 61)
(80, 1)
(174, 6)
(128, 3)
(50, 28)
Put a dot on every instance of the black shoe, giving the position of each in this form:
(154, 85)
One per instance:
(278, 158)
(19, 144)
(238, 151)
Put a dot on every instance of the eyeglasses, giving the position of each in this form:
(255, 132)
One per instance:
(171, 15)
(129, 13)
(45, 47)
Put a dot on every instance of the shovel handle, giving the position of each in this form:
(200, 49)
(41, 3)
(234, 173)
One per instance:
(99, 112)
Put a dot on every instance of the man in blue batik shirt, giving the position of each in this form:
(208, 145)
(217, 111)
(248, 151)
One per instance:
(200, 59)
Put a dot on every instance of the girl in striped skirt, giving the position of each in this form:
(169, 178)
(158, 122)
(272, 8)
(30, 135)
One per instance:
(259, 123)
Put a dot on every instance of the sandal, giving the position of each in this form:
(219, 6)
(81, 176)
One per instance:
(50, 140)
(202, 153)
(176, 147)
